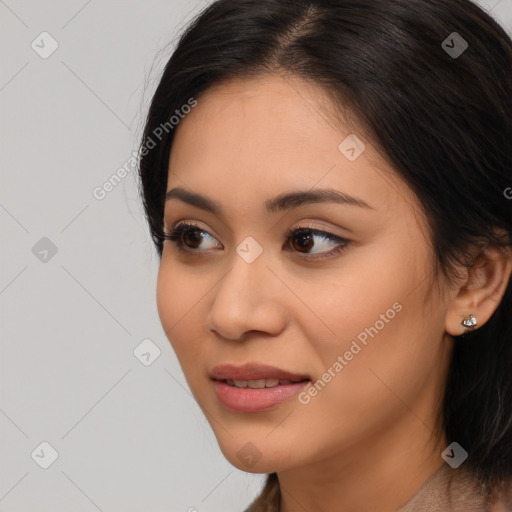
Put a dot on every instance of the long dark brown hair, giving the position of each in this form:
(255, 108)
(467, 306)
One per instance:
(443, 120)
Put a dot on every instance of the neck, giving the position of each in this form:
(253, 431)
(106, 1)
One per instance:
(382, 473)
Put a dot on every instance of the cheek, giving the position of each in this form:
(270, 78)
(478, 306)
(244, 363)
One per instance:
(363, 387)
(381, 343)
(167, 290)
(368, 297)
(178, 296)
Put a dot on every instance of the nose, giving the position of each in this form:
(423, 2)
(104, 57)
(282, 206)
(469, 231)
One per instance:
(247, 298)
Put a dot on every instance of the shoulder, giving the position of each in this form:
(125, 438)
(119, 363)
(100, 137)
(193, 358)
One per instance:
(459, 490)
(501, 500)
(467, 491)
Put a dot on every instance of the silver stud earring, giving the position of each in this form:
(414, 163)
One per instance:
(469, 322)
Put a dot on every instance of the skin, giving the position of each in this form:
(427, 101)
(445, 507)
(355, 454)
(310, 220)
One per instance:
(367, 441)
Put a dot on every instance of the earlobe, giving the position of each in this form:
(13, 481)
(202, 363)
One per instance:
(480, 294)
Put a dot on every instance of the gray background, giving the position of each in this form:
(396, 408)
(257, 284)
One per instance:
(129, 437)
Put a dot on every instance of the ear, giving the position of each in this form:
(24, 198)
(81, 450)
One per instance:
(481, 289)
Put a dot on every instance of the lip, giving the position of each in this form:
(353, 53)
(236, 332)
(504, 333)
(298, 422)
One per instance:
(253, 371)
(255, 400)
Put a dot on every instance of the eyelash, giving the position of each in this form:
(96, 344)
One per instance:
(176, 237)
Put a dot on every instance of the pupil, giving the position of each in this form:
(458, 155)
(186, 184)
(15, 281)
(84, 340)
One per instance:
(306, 241)
(195, 237)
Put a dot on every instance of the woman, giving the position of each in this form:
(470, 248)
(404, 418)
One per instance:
(328, 188)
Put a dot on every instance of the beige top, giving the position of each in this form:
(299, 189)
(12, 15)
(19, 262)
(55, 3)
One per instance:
(447, 490)
(456, 490)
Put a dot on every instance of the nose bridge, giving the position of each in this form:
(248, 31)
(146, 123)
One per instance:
(248, 271)
(245, 299)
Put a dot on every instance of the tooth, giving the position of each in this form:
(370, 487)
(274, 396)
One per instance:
(286, 382)
(240, 383)
(256, 384)
(270, 383)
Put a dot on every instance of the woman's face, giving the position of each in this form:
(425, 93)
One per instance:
(361, 325)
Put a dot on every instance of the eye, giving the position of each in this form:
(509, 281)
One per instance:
(305, 237)
(189, 237)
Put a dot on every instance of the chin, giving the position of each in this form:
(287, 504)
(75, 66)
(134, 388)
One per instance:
(254, 456)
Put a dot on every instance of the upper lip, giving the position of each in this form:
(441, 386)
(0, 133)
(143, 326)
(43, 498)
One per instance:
(253, 371)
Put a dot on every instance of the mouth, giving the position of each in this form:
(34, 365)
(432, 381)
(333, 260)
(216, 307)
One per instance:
(260, 383)
(255, 387)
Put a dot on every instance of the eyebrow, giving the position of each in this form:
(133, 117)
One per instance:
(285, 201)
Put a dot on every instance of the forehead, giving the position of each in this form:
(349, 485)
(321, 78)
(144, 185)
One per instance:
(266, 108)
(249, 139)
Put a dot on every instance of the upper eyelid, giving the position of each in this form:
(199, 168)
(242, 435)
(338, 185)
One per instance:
(190, 225)
(288, 232)
(188, 220)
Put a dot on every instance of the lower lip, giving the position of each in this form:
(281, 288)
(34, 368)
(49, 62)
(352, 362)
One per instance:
(255, 400)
